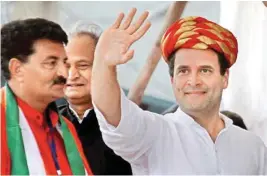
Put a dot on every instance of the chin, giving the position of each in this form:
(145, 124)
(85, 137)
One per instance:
(73, 95)
(194, 107)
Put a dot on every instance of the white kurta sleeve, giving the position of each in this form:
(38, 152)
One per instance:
(136, 132)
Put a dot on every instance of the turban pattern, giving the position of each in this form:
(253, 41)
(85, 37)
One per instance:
(199, 33)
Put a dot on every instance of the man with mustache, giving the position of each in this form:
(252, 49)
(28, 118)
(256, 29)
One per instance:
(79, 109)
(35, 139)
(196, 139)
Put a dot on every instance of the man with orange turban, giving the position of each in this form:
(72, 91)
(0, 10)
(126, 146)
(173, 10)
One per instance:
(197, 138)
(199, 33)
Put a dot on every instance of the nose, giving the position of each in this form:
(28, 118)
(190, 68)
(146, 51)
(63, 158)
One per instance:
(194, 79)
(73, 73)
(62, 70)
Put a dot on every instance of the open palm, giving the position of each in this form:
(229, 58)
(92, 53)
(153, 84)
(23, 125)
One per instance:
(113, 45)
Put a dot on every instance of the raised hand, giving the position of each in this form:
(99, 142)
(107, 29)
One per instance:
(113, 45)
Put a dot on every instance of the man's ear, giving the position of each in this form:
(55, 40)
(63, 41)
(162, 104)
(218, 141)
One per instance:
(15, 68)
(226, 78)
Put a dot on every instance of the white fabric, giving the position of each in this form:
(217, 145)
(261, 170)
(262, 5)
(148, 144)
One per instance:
(176, 144)
(80, 120)
(33, 157)
(247, 91)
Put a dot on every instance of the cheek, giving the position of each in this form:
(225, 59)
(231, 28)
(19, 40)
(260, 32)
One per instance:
(32, 75)
(88, 85)
(86, 76)
(216, 86)
(38, 77)
(178, 84)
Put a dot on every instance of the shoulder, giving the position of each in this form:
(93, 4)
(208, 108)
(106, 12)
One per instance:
(246, 138)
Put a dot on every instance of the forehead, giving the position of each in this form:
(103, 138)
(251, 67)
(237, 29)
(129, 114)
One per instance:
(83, 45)
(45, 48)
(195, 57)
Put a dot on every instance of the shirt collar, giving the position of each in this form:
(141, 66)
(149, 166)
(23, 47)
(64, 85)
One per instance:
(77, 116)
(183, 118)
(35, 117)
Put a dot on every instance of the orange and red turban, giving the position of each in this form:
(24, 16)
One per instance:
(199, 33)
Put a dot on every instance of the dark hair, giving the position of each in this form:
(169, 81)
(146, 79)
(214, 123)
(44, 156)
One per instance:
(224, 64)
(18, 38)
(237, 119)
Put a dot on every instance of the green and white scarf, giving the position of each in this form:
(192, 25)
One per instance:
(24, 151)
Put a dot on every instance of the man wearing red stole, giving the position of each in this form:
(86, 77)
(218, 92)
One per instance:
(35, 138)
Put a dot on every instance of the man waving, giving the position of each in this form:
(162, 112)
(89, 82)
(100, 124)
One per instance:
(196, 139)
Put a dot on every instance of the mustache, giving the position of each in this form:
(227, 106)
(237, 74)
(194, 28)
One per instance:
(60, 80)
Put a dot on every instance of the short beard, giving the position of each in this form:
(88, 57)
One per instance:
(206, 108)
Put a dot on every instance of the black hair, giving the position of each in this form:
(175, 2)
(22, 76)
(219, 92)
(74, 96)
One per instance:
(18, 38)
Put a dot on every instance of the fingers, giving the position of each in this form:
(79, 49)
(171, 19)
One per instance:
(127, 56)
(137, 35)
(134, 27)
(118, 21)
(129, 19)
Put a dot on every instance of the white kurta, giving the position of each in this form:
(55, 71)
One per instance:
(176, 144)
(247, 90)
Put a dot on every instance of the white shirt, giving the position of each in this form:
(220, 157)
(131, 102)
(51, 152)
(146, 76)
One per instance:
(176, 144)
(80, 120)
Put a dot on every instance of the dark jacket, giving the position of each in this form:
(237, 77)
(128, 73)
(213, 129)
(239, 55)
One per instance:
(102, 159)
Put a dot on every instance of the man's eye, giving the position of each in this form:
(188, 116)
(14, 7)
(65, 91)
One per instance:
(50, 65)
(53, 63)
(205, 70)
(82, 67)
(184, 71)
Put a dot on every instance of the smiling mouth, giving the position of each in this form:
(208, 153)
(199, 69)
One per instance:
(195, 93)
(74, 85)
